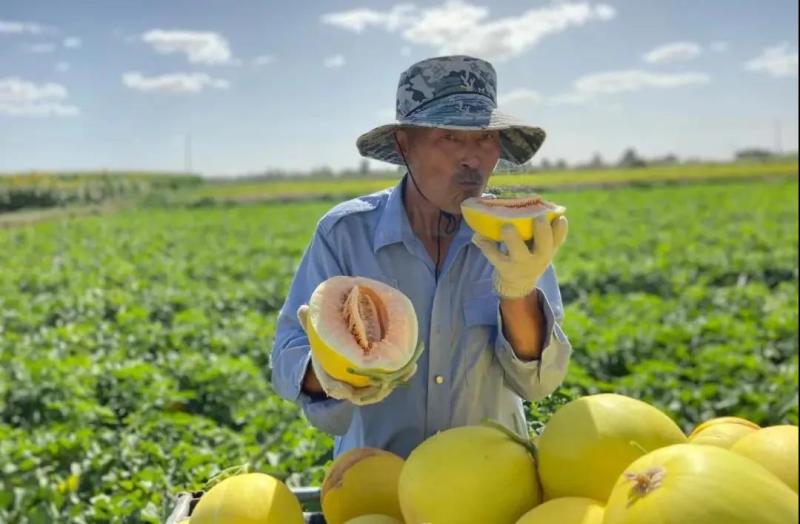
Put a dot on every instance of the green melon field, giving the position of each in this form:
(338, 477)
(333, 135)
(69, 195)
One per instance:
(134, 347)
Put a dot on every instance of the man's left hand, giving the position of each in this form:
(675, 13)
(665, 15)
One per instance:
(517, 273)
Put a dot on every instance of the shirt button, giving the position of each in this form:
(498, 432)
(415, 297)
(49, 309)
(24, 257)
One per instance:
(439, 379)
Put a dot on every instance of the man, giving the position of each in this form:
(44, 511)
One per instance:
(488, 319)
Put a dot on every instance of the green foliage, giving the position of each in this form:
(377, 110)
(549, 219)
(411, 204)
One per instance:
(134, 349)
(42, 190)
(303, 188)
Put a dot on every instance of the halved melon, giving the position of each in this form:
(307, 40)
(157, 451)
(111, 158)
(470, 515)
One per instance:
(361, 329)
(487, 216)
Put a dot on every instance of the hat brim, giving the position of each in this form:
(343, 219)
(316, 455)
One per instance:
(519, 141)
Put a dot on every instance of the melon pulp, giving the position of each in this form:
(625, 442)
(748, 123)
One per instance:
(699, 485)
(469, 474)
(361, 330)
(775, 448)
(565, 510)
(589, 441)
(361, 481)
(722, 432)
(251, 498)
(487, 216)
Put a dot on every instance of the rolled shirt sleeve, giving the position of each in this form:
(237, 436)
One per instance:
(535, 379)
(291, 353)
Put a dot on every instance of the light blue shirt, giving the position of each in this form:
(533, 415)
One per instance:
(468, 371)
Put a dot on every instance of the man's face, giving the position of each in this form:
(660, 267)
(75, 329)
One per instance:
(450, 166)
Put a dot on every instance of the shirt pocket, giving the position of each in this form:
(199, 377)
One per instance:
(480, 304)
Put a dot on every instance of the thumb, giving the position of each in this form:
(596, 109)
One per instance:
(560, 229)
(302, 315)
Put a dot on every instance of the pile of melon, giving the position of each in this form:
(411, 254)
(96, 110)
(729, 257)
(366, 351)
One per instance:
(601, 459)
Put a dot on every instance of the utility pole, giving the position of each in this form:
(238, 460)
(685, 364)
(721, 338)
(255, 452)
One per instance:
(187, 154)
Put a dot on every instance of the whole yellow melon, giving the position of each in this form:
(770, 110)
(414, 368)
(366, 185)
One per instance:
(374, 519)
(361, 481)
(589, 441)
(775, 448)
(250, 498)
(565, 510)
(722, 432)
(690, 484)
(469, 474)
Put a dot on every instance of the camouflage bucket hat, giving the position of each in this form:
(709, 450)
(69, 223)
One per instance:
(453, 92)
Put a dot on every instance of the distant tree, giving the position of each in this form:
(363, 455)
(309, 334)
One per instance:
(754, 153)
(363, 169)
(666, 160)
(546, 164)
(562, 164)
(631, 159)
(596, 162)
(322, 172)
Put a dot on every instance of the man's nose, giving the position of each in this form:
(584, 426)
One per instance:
(470, 161)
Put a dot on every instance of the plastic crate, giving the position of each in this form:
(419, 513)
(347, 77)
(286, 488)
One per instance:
(185, 503)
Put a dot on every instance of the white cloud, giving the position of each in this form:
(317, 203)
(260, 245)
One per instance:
(586, 88)
(519, 96)
(22, 98)
(673, 52)
(199, 47)
(612, 82)
(40, 48)
(718, 46)
(173, 83)
(335, 61)
(405, 50)
(263, 60)
(457, 27)
(777, 61)
(12, 27)
(359, 19)
(62, 67)
(72, 42)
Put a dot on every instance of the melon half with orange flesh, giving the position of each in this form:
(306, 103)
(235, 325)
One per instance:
(487, 216)
(361, 330)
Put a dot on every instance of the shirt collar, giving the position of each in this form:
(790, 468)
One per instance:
(393, 225)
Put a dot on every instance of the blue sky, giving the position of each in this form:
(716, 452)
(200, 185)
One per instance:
(105, 84)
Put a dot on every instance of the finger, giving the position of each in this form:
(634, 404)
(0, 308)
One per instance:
(560, 230)
(513, 240)
(542, 236)
(489, 249)
(302, 315)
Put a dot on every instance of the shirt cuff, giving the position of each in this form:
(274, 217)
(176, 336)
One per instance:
(536, 378)
(330, 415)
